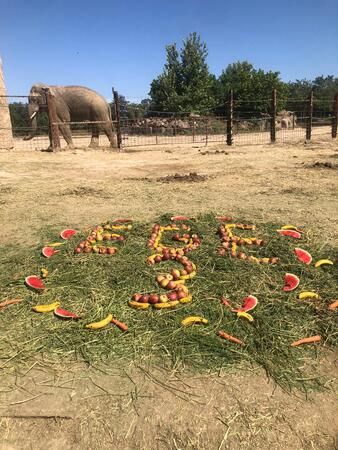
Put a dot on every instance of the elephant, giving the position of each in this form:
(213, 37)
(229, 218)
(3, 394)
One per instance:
(72, 104)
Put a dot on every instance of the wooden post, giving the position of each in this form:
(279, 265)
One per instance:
(117, 118)
(309, 117)
(335, 117)
(206, 131)
(52, 117)
(273, 116)
(193, 130)
(230, 117)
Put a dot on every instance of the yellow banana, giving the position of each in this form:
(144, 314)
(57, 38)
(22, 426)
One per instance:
(191, 320)
(180, 281)
(44, 272)
(45, 308)
(55, 244)
(245, 315)
(186, 299)
(308, 294)
(138, 305)
(289, 227)
(321, 262)
(101, 324)
(188, 277)
(166, 305)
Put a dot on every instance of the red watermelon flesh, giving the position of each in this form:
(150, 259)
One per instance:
(250, 302)
(64, 314)
(291, 282)
(49, 251)
(291, 233)
(34, 282)
(68, 233)
(303, 255)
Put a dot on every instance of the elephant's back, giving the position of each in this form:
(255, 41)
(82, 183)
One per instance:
(84, 103)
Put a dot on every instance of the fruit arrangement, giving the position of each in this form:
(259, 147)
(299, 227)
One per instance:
(230, 243)
(175, 280)
(101, 235)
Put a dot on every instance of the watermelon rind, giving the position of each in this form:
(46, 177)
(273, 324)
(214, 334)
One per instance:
(250, 302)
(68, 233)
(34, 282)
(64, 314)
(291, 282)
(290, 233)
(47, 252)
(303, 255)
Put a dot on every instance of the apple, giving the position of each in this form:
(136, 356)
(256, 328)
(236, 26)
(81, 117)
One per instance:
(164, 283)
(136, 297)
(159, 278)
(154, 298)
(171, 285)
(111, 250)
(175, 274)
(173, 296)
(77, 250)
(144, 298)
(181, 294)
(163, 298)
(158, 258)
(169, 277)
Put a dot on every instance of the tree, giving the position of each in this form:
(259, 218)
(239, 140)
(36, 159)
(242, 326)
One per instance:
(252, 88)
(185, 84)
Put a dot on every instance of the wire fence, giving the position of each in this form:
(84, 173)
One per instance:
(238, 126)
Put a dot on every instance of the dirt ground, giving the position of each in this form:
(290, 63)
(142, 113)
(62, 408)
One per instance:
(77, 407)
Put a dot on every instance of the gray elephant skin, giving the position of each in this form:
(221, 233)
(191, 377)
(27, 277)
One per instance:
(73, 104)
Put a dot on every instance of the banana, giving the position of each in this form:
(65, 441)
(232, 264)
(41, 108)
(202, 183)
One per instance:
(138, 305)
(180, 281)
(45, 308)
(289, 227)
(245, 315)
(55, 244)
(166, 305)
(321, 262)
(101, 324)
(186, 299)
(308, 294)
(191, 320)
(188, 277)
(43, 272)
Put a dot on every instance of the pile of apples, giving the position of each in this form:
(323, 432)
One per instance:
(230, 243)
(100, 236)
(174, 281)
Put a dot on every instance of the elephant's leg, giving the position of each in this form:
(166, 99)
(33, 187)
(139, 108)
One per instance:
(67, 134)
(110, 134)
(94, 142)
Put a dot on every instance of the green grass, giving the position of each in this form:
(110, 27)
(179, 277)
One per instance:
(96, 285)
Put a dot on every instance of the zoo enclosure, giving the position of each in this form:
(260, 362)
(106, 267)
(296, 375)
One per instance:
(235, 126)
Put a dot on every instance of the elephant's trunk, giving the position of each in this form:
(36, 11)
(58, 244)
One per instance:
(32, 112)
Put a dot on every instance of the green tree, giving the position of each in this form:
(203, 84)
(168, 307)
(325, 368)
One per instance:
(185, 84)
(252, 88)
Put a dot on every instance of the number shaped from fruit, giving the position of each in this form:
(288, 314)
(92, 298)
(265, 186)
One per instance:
(174, 282)
(102, 236)
(230, 243)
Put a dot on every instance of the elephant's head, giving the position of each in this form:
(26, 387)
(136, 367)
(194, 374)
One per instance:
(37, 102)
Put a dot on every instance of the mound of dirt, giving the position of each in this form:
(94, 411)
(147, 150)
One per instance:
(321, 165)
(193, 177)
(83, 191)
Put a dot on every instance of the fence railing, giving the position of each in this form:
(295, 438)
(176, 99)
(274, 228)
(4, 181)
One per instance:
(235, 127)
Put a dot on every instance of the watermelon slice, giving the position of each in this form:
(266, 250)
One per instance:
(250, 302)
(291, 233)
(291, 282)
(64, 314)
(173, 218)
(34, 282)
(68, 233)
(303, 255)
(47, 252)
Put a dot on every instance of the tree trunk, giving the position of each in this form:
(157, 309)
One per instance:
(6, 135)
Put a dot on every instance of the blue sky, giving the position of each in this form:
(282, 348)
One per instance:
(108, 43)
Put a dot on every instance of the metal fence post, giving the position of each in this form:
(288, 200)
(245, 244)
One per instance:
(52, 117)
(230, 114)
(273, 116)
(117, 118)
(309, 118)
(335, 117)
